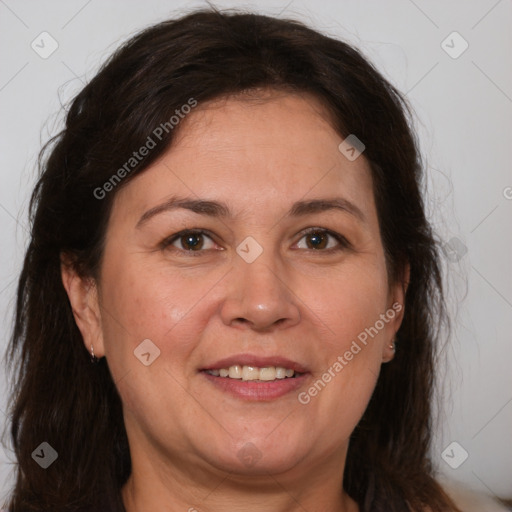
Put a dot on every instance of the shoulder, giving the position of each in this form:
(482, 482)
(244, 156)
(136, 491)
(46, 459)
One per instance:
(469, 500)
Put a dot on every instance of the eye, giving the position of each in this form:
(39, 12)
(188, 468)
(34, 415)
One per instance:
(324, 240)
(192, 241)
(189, 240)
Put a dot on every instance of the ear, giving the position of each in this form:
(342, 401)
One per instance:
(83, 296)
(396, 309)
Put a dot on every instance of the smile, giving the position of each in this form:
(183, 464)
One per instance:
(246, 373)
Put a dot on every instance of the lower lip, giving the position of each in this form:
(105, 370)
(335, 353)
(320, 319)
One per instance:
(257, 390)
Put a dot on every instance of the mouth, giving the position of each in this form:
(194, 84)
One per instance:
(254, 373)
(255, 378)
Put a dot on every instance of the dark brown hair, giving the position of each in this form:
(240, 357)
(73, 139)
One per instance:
(60, 398)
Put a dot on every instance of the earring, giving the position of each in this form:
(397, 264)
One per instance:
(94, 359)
(392, 346)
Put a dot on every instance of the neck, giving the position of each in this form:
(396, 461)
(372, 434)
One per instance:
(194, 485)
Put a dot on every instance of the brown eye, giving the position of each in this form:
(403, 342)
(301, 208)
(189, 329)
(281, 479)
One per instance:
(193, 241)
(189, 241)
(317, 240)
(323, 240)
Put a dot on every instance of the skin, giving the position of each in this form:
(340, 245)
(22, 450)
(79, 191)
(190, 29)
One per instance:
(306, 304)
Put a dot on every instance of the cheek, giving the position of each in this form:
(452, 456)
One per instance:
(346, 301)
(348, 308)
(147, 303)
(142, 303)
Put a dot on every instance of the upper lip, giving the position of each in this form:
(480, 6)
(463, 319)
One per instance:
(257, 361)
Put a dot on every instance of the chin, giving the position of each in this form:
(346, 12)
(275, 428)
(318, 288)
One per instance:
(271, 464)
(258, 455)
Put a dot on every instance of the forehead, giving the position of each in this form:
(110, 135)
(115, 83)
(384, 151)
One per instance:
(254, 152)
(275, 128)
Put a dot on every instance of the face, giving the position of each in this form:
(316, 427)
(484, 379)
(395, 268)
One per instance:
(283, 270)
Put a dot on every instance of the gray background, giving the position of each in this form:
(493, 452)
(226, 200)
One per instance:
(463, 107)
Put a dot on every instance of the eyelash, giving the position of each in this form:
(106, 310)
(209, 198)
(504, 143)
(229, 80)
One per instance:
(343, 242)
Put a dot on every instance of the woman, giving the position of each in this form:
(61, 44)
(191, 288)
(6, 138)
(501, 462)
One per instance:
(230, 227)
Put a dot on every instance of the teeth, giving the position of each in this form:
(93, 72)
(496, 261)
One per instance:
(253, 373)
(249, 373)
(280, 373)
(268, 373)
(235, 372)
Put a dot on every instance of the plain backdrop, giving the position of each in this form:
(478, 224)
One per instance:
(462, 98)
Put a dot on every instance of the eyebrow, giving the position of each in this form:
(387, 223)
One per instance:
(220, 209)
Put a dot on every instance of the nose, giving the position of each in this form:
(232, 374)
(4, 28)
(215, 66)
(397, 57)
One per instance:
(259, 296)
